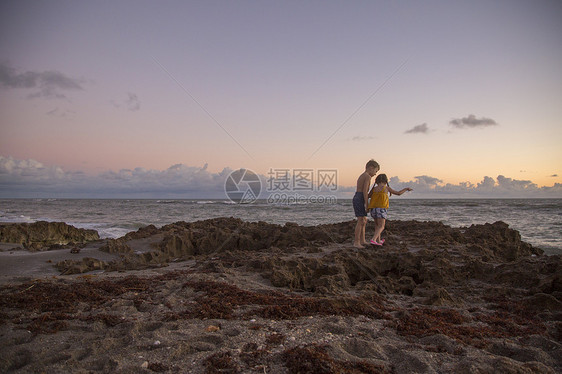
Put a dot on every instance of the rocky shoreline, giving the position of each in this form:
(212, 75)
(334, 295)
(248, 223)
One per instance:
(224, 295)
(43, 235)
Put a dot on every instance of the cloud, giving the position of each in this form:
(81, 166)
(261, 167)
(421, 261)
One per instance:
(427, 180)
(28, 175)
(362, 138)
(472, 122)
(514, 184)
(487, 184)
(419, 129)
(46, 84)
(501, 187)
(30, 179)
(132, 102)
(62, 113)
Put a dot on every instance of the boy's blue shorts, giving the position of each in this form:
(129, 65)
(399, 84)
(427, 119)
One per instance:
(359, 205)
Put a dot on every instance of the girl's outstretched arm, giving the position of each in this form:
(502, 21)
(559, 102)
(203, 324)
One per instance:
(394, 192)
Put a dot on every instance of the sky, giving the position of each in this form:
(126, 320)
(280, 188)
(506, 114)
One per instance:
(165, 99)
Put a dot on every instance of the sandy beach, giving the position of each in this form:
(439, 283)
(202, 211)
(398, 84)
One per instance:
(228, 296)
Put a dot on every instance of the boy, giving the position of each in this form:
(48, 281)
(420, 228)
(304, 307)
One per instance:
(361, 201)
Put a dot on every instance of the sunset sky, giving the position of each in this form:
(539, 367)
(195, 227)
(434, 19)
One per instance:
(162, 98)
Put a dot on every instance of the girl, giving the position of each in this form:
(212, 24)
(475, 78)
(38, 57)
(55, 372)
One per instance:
(379, 203)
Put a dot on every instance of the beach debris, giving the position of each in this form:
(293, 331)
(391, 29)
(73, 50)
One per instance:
(212, 328)
(221, 362)
(314, 358)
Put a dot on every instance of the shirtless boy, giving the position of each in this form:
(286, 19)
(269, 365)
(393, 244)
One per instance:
(361, 200)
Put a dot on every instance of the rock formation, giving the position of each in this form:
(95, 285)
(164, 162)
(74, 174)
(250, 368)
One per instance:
(40, 235)
(258, 297)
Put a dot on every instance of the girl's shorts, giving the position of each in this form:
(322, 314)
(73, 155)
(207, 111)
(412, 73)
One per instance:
(379, 213)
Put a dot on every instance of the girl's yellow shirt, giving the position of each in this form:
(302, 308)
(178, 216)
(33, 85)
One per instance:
(379, 199)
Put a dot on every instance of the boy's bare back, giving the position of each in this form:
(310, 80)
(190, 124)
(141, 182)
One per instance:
(363, 182)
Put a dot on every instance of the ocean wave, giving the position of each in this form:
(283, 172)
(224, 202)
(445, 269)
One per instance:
(166, 201)
(16, 219)
(113, 232)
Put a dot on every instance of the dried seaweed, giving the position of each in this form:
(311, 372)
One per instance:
(64, 297)
(221, 362)
(254, 357)
(48, 323)
(46, 305)
(158, 367)
(473, 331)
(427, 322)
(275, 339)
(314, 358)
(220, 300)
(55, 302)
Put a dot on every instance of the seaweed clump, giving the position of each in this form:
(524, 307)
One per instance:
(46, 305)
(314, 358)
(221, 300)
(500, 324)
(221, 362)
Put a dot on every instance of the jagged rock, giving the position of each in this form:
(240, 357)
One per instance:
(142, 233)
(178, 245)
(42, 234)
(80, 266)
(429, 255)
(499, 241)
(116, 246)
(543, 302)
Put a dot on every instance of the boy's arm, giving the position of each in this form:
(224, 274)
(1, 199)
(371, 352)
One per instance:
(366, 183)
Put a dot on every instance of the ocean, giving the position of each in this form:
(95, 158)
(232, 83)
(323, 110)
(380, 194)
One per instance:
(538, 220)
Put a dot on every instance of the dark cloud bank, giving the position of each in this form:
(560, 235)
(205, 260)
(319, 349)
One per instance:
(44, 84)
(472, 122)
(469, 122)
(419, 129)
(30, 179)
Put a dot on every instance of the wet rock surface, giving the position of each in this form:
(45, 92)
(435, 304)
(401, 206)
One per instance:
(225, 295)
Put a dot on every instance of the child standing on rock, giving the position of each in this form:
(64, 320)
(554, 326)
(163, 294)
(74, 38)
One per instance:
(379, 204)
(360, 201)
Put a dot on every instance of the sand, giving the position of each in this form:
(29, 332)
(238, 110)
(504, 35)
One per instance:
(226, 296)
